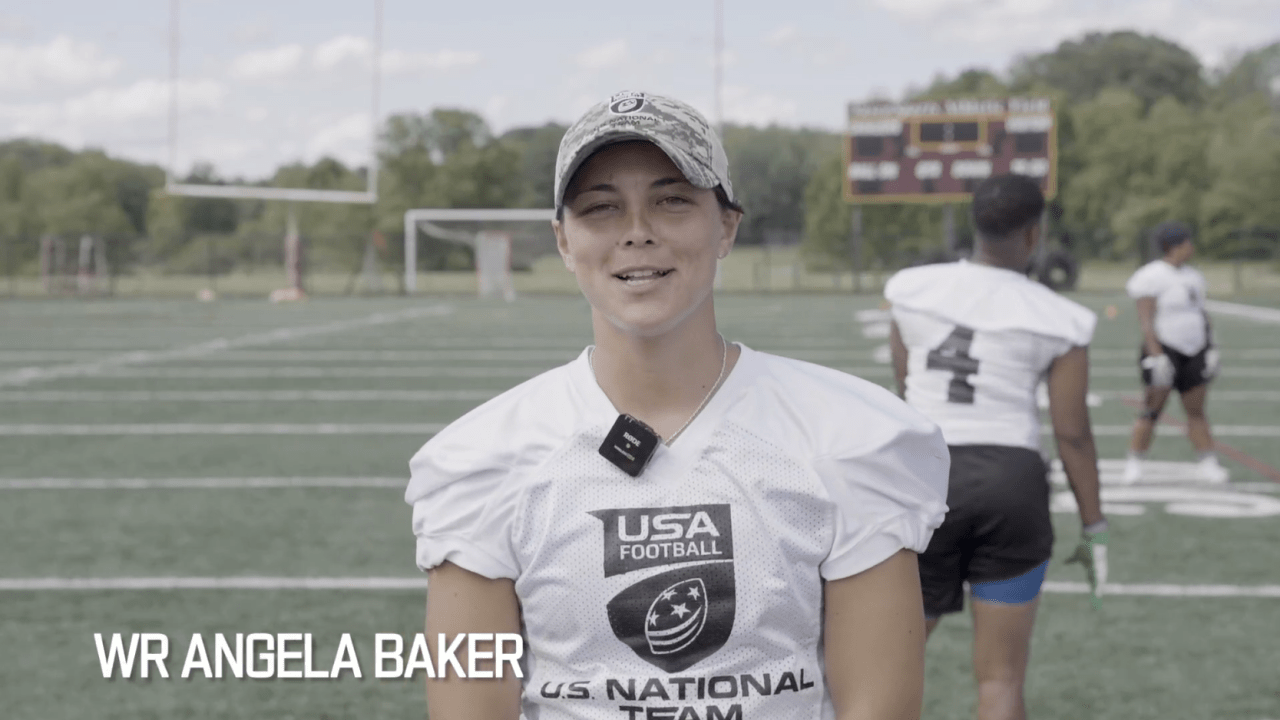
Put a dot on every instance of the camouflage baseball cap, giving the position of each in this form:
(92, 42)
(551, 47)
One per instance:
(675, 127)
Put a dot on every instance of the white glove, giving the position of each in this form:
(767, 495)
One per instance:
(1161, 368)
(1212, 363)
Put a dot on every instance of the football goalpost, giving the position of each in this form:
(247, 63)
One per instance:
(492, 247)
(292, 239)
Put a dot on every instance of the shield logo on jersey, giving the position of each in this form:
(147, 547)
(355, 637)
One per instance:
(676, 618)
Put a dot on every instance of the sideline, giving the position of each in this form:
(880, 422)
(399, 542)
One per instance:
(27, 375)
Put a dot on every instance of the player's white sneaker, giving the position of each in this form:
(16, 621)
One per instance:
(1210, 471)
(1132, 471)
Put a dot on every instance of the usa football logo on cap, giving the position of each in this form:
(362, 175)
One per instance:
(626, 103)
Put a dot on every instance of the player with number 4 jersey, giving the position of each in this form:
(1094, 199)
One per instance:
(971, 341)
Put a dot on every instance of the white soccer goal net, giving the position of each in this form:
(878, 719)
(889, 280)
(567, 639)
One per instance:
(500, 240)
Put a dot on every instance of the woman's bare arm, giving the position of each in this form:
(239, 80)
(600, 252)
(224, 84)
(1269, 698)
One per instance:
(1069, 411)
(1147, 321)
(874, 635)
(460, 601)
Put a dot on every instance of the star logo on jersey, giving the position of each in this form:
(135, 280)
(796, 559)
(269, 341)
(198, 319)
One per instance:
(676, 618)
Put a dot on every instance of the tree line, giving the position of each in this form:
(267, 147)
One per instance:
(1145, 132)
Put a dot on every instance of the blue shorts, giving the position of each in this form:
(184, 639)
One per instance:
(1014, 591)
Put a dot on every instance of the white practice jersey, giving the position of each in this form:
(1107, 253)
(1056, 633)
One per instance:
(1179, 294)
(694, 590)
(979, 341)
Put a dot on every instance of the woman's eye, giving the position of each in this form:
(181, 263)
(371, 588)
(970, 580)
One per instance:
(598, 207)
(676, 200)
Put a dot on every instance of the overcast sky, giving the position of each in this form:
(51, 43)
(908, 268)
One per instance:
(271, 81)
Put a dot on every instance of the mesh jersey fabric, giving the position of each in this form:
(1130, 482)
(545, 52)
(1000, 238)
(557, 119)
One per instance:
(698, 583)
(1179, 293)
(979, 340)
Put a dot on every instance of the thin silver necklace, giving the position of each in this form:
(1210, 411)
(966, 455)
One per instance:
(724, 364)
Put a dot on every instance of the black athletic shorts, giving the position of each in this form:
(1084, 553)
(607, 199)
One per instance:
(1188, 370)
(997, 528)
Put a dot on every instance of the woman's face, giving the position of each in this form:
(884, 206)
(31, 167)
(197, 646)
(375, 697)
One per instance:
(1182, 252)
(642, 241)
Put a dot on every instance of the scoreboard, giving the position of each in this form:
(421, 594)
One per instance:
(937, 151)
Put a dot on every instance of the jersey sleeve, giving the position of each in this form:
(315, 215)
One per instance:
(464, 506)
(889, 494)
(1143, 283)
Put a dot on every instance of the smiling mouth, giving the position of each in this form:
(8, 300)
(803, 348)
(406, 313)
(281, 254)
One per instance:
(640, 276)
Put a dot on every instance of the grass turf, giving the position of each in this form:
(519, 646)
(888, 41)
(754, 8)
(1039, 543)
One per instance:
(1137, 658)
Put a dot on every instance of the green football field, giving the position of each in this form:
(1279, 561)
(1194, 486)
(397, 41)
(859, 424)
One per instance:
(152, 450)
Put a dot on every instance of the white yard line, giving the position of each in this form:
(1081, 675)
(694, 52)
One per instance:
(134, 396)
(24, 376)
(320, 371)
(1255, 431)
(1108, 474)
(1166, 590)
(215, 583)
(1227, 371)
(1214, 395)
(153, 429)
(201, 483)
(1267, 315)
(420, 583)
(562, 354)
(246, 372)
(1164, 478)
(416, 356)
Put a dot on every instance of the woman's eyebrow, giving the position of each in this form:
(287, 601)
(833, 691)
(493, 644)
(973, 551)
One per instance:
(663, 182)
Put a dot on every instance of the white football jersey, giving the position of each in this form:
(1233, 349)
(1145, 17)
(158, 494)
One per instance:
(1179, 294)
(694, 590)
(979, 340)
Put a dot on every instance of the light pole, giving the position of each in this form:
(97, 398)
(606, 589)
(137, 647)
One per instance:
(719, 65)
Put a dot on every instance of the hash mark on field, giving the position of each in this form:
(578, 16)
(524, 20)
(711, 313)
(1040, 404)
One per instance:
(201, 483)
(28, 375)
(224, 429)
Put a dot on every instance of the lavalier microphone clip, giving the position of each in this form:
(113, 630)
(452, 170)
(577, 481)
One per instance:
(630, 445)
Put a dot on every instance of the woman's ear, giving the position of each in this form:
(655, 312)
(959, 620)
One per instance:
(562, 244)
(729, 220)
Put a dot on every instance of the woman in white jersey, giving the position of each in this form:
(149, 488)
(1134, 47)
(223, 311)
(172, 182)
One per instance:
(679, 526)
(1177, 348)
(970, 342)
